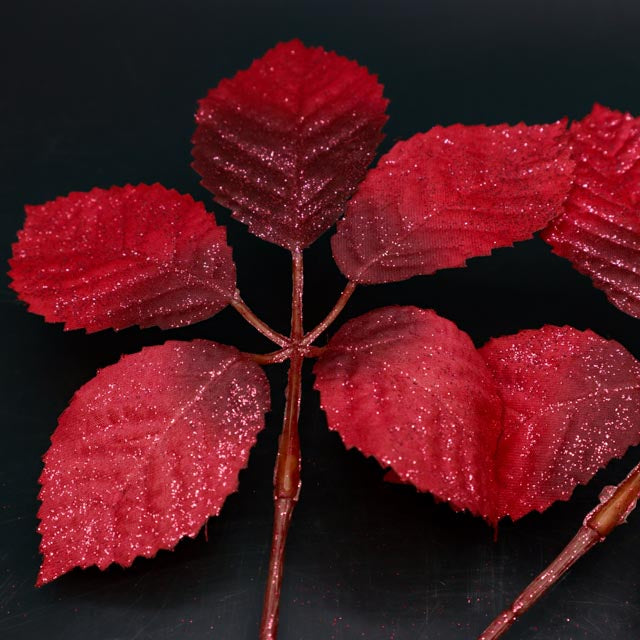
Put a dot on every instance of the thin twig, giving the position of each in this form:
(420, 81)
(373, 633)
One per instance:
(239, 305)
(287, 471)
(332, 315)
(276, 357)
(273, 357)
(617, 503)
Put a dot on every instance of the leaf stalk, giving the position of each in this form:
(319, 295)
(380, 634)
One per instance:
(332, 315)
(240, 306)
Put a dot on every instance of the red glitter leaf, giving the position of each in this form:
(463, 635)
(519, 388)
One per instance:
(501, 431)
(285, 143)
(409, 388)
(599, 231)
(571, 404)
(146, 452)
(114, 258)
(451, 194)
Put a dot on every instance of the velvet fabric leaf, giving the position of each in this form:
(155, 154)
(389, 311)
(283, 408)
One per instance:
(285, 143)
(146, 452)
(500, 431)
(599, 231)
(571, 404)
(451, 194)
(124, 256)
(409, 388)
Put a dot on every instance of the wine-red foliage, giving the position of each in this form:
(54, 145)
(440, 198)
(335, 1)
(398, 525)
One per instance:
(499, 431)
(285, 143)
(408, 387)
(146, 452)
(124, 256)
(571, 402)
(451, 194)
(599, 230)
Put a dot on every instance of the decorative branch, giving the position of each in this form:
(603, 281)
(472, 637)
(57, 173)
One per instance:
(332, 315)
(287, 470)
(179, 270)
(617, 503)
(239, 305)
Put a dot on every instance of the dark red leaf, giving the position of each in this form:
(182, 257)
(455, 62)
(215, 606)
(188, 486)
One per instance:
(600, 228)
(285, 143)
(451, 194)
(501, 431)
(146, 452)
(571, 404)
(409, 388)
(125, 256)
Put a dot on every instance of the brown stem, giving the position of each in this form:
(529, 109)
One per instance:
(332, 315)
(239, 305)
(616, 504)
(286, 479)
(274, 357)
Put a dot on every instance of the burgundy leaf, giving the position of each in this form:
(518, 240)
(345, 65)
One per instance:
(599, 231)
(146, 452)
(285, 143)
(409, 388)
(571, 404)
(501, 431)
(451, 194)
(113, 258)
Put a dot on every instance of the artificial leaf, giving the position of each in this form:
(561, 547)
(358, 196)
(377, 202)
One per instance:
(285, 143)
(499, 431)
(146, 452)
(142, 255)
(451, 194)
(571, 404)
(409, 388)
(599, 231)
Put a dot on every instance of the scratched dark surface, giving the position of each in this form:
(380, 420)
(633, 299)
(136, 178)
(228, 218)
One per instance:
(102, 93)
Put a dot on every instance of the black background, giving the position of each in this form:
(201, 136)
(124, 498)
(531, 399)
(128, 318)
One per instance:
(102, 93)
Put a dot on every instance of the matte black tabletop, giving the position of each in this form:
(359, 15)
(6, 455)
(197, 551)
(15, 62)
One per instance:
(103, 93)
